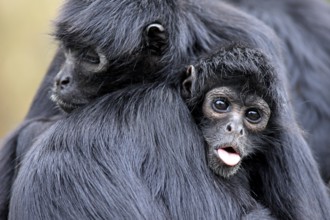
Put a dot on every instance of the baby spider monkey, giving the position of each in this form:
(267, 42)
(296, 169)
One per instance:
(229, 105)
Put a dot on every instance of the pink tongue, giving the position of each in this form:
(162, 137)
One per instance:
(231, 159)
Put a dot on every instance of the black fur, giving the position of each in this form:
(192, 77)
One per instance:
(195, 28)
(116, 27)
(17, 143)
(304, 27)
(283, 175)
(141, 157)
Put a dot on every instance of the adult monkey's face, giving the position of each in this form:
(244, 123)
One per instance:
(87, 73)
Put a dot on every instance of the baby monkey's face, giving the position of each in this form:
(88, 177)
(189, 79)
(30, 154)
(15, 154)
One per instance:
(232, 123)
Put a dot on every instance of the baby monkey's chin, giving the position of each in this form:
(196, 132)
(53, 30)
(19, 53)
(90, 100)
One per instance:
(225, 161)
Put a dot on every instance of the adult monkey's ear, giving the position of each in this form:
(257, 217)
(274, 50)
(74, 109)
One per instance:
(189, 82)
(156, 38)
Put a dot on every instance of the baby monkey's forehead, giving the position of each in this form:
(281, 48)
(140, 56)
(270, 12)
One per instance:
(234, 93)
(227, 91)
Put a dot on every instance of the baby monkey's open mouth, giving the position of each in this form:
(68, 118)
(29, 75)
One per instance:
(229, 155)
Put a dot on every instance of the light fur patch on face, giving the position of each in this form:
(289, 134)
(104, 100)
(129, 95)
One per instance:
(224, 92)
(254, 101)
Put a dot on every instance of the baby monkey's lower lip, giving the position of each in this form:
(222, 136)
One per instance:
(228, 155)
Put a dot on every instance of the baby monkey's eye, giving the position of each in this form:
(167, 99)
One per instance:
(220, 105)
(91, 57)
(253, 115)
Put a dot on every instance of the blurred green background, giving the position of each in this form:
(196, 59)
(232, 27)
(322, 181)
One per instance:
(26, 49)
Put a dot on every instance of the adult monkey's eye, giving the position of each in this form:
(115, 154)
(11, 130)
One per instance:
(253, 115)
(91, 56)
(220, 105)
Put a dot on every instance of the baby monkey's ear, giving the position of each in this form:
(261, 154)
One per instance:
(189, 82)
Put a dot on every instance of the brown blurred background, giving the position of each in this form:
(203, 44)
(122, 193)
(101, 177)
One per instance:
(26, 49)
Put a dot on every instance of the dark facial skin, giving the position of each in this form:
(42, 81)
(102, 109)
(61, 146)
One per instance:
(87, 73)
(72, 85)
(230, 122)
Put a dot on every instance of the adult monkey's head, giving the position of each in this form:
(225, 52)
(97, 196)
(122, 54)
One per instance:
(106, 48)
(111, 43)
(87, 72)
